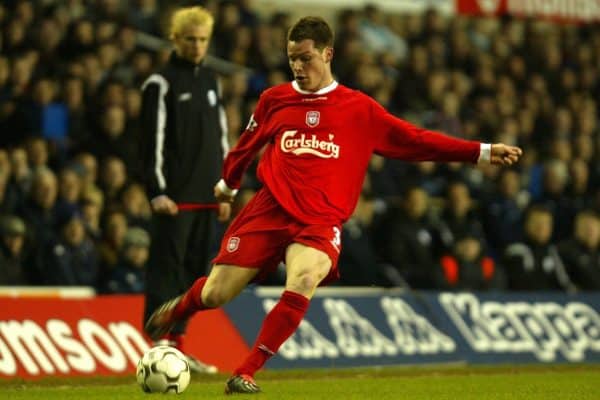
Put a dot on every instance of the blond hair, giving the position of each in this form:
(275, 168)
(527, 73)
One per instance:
(189, 16)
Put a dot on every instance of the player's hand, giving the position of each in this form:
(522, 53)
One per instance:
(502, 154)
(163, 205)
(224, 212)
(221, 196)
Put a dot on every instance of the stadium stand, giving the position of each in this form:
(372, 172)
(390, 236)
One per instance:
(70, 192)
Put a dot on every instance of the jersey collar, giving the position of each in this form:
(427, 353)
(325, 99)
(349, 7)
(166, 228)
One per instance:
(329, 88)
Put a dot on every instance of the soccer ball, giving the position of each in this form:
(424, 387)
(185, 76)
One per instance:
(163, 369)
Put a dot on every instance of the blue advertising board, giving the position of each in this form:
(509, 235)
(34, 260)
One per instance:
(347, 327)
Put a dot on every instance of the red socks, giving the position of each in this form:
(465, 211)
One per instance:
(278, 325)
(176, 340)
(191, 300)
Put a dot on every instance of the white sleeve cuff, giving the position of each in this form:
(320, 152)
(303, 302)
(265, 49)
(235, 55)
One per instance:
(485, 153)
(226, 190)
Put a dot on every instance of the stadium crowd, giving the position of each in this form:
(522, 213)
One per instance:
(74, 211)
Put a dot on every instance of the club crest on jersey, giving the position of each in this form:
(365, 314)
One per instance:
(233, 243)
(312, 118)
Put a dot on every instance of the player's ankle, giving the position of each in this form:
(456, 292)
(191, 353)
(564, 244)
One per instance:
(244, 372)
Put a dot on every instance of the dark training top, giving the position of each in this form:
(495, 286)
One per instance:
(184, 132)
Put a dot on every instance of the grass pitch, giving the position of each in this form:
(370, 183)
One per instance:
(577, 382)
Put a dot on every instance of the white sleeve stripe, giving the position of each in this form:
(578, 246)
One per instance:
(160, 126)
(223, 122)
(224, 131)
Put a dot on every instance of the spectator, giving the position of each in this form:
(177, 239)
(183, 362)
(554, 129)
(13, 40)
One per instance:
(8, 192)
(113, 138)
(581, 254)
(92, 205)
(74, 98)
(579, 185)
(38, 153)
(69, 190)
(21, 174)
(358, 259)
(467, 267)
(12, 241)
(71, 259)
(137, 206)
(503, 215)
(534, 263)
(144, 16)
(115, 227)
(406, 239)
(113, 180)
(377, 37)
(128, 275)
(459, 216)
(39, 211)
(88, 165)
(556, 199)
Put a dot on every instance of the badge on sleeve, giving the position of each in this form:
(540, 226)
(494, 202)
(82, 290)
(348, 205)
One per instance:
(233, 243)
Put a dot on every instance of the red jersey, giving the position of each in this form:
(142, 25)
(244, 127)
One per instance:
(319, 146)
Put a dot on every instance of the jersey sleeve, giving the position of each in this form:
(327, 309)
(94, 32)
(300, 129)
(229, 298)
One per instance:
(396, 138)
(251, 141)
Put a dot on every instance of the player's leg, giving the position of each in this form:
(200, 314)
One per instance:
(222, 284)
(306, 267)
(196, 263)
(165, 271)
(225, 280)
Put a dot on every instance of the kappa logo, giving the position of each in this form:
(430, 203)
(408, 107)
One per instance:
(313, 118)
(233, 243)
(488, 6)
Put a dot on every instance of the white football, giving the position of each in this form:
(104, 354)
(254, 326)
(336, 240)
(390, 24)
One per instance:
(163, 369)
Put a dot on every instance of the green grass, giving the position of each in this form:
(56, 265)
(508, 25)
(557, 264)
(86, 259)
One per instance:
(579, 382)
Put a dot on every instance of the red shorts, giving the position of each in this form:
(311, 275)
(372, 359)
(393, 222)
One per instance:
(260, 234)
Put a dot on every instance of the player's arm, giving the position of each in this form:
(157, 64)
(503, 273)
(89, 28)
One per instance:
(400, 139)
(254, 137)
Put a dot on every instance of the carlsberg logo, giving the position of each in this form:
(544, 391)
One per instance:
(290, 143)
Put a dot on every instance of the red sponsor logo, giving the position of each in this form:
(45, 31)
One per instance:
(97, 336)
(580, 11)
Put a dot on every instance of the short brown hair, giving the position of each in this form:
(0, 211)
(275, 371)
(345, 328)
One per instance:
(315, 28)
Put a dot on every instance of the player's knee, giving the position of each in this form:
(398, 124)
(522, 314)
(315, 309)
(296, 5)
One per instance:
(304, 281)
(304, 273)
(213, 296)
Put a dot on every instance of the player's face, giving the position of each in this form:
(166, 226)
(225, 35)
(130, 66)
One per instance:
(192, 42)
(311, 67)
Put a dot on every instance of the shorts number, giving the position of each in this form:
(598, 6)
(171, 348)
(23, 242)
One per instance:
(337, 237)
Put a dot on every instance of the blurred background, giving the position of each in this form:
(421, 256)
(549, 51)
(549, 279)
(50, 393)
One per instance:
(74, 212)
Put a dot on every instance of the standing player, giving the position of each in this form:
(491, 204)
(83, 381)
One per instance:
(186, 141)
(320, 136)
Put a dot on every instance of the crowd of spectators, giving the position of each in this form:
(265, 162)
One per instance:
(73, 209)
